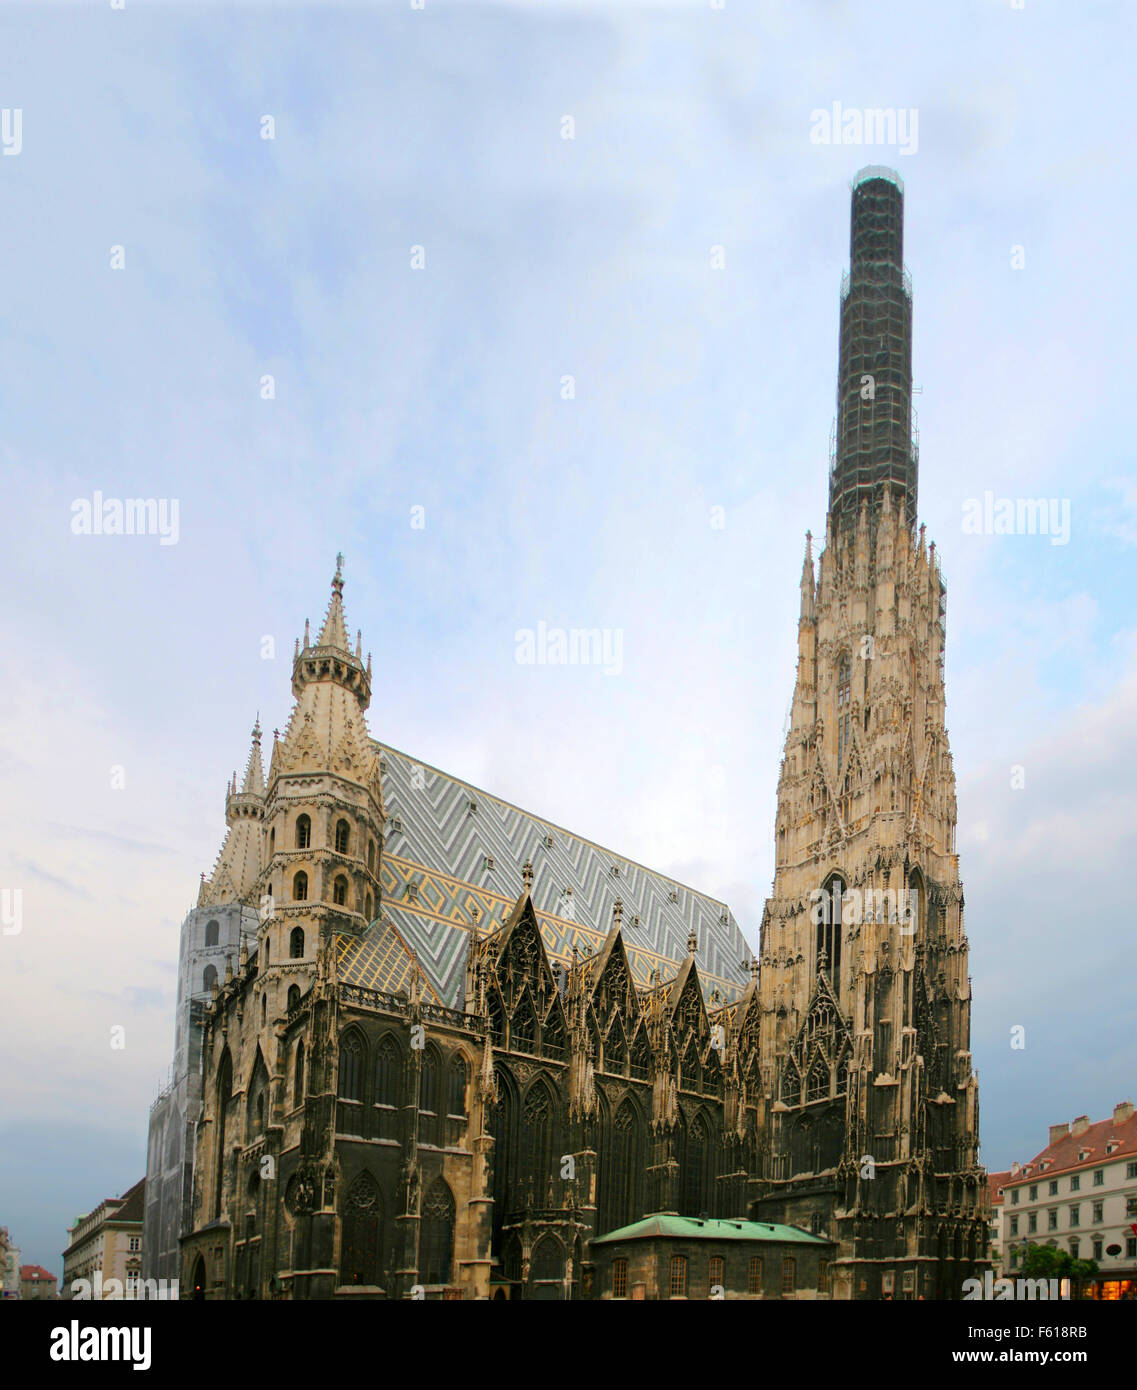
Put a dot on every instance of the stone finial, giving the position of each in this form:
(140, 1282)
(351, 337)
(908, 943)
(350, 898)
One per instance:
(618, 913)
(692, 942)
(527, 874)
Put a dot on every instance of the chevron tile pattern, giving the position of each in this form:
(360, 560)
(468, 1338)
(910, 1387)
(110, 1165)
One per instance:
(380, 960)
(454, 857)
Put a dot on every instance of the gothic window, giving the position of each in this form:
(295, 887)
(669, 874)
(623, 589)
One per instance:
(300, 887)
(428, 1097)
(523, 1029)
(339, 890)
(817, 1084)
(264, 1009)
(843, 1076)
(504, 1152)
(367, 907)
(303, 832)
(844, 692)
(616, 1052)
(678, 1286)
(224, 1096)
(791, 1087)
(456, 1087)
(537, 1140)
(911, 917)
(343, 836)
(370, 856)
(272, 842)
(829, 932)
(496, 1018)
(298, 1075)
(548, 1260)
(351, 1084)
(553, 1033)
(211, 933)
(296, 943)
(641, 1056)
(293, 997)
(695, 1169)
(209, 978)
(361, 1251)
(258, 1088)
(619, 1170)
(692, 1074)
(268, 947)
(437, 1239)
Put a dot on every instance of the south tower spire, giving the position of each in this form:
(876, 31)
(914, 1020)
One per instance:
(875, 446)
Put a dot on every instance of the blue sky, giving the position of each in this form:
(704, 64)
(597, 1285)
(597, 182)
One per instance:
(441, 388)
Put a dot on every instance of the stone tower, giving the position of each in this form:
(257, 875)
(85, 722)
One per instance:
(871, 1128)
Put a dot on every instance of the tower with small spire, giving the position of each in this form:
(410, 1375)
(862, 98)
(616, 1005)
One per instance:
(872, 1105)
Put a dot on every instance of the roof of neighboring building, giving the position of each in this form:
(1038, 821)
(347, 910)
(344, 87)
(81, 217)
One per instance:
(443, 835)
(694, 1228)
(995, 1183)
(1062, 1155)
(35, 1272)
(132, 1205)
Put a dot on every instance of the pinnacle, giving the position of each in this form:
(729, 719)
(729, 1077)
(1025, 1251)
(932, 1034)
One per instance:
(254, 772)
(334, 631)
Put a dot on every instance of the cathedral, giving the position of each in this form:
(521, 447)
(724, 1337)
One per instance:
(429, 1045)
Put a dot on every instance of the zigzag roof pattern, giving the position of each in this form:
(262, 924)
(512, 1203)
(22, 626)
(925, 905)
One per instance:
(454, 859)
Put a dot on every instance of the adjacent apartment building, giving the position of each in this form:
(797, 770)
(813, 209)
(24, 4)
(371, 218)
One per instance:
(1079, 1194)
(105, 1248)
(37, 1283)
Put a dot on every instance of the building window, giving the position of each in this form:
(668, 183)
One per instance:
(351, 1068)
(296, 943)
(1076, 1182)
(1014, 1196)
(1131, 1170)
(1099, 1208)
(1097, 1247)
(367, 907)
(135, 1244)
(1032, 1222)
(1052, 1220)
(456, 1087)
(303, 832)
(343, 836)
(754, 1279)
(300, 887)
(1074, 1243)
(1130, 1246)
(678, 1276)
(209, 979)
(1054, 1187)
(370, 856)
(264, 1009)
(293, 997)
(714, 1274)
(829, 928)
(339, 891)
(298, 1075)
(361, 1250)
(844, 691)
(823, 1276)
(789, 1274)
(437, 1237)
(619, 1278)
(211, 933)
(1075, 1216)
(1131, 1206)
(1034, 1192)
(1014, 1225)
(1099, 1177)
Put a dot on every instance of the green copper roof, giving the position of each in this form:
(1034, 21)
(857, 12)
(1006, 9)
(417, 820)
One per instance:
(691, 1228)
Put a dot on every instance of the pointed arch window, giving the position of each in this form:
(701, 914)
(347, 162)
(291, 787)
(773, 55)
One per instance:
(616, 1051)
(343, 836)
(296, 943)
(548, 1264)
(224, 1099)
(828, 918)
(361, 1259)
(303, 832)
(339, 891)
(696, 1188)
(791, 1087)
(293, 997)
(437, 1243)
(817, 1084)
(456, 1087)
(350, 1119)
(298, 1074)
(537, 1140)
(388, 1086)
(209, 978)
(619, 1169)
(524, 1028)
(212, 931)
(640, 1062)
(428, 1097)
(300, 887)
(370, 856)
(844, 693)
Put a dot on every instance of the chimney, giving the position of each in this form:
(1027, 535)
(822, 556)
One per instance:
(1081, 1124)
(1122, 1112)
(1058, 1132)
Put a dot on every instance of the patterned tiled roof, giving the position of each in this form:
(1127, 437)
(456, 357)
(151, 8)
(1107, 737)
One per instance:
(380, 959)
(454, 857)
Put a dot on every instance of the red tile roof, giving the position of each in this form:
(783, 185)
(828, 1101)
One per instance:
(1062, 1155)
(995, 1183)
(35, 1272)
(133, 1204)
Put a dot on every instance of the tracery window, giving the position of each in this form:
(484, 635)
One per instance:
(817, 1085)
(641, 1056)
(791, 1087)
(537, 1140)
(437, 1240)
(361, 1255)
(844, 692)
(548, 1259)
(619, 1170)
(829, 930)
(388, 1063)
(456, 1087)
(351, 1085)
(428, 1097)
(695, 1167)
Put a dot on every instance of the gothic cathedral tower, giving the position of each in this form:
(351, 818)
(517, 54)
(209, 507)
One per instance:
(872, 1118)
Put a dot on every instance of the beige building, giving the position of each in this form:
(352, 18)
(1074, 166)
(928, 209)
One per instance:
(37, 1283)
(996, 1205)
(105, 1248)
(1080, 1195)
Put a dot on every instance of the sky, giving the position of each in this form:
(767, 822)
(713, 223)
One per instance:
(600, 371)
